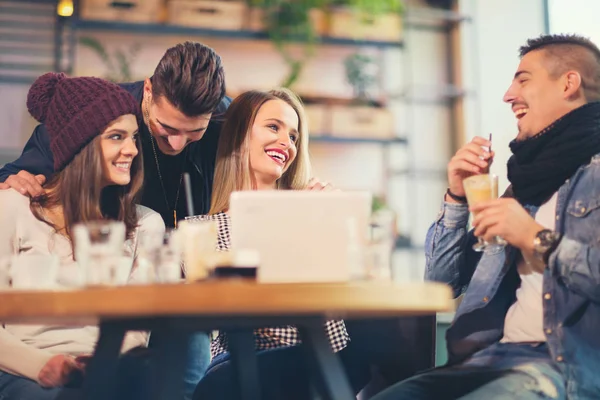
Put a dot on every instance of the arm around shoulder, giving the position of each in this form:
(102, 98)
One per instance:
(36, 157)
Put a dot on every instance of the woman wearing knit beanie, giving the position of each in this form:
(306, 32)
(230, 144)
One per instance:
(92, 126)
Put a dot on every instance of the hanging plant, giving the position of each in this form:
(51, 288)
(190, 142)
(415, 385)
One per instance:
(288, 22)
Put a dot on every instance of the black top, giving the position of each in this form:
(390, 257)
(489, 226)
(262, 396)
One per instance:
(198, 160)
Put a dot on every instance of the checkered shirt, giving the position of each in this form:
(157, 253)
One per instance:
(270, 337)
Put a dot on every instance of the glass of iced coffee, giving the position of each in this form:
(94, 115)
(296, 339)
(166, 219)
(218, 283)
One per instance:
(478, 189)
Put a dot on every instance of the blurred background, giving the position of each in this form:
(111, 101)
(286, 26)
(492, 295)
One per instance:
(392, 87)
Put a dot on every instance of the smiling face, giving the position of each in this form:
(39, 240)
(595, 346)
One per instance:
(171, 129)
(272, 142)
(118, 146)
(538, 98)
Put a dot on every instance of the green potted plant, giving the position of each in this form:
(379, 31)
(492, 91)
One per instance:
(361, 74)
(362, 117)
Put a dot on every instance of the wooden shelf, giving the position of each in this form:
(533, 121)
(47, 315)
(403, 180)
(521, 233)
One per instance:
(166, 29)
(366, 140)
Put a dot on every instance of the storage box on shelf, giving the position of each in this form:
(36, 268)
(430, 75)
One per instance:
(316, 114)
(256, 20)
(134, 11)
(345, 23)
(214, 14)
(361, 122)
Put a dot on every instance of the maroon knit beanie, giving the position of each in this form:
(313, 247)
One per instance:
(76, 110)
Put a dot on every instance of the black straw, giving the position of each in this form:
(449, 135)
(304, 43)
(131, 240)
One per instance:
(188, 194)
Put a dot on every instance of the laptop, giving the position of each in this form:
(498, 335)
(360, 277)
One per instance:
(301, 236)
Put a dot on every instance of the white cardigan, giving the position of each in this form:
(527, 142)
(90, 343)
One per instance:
(25, 349)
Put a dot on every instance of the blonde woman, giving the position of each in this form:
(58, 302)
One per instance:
(264, 146)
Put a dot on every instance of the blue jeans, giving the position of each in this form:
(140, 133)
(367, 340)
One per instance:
(16, 388)
(282, 372)
(198, 361)
(135, 373)
(501, 371)
(134, 382)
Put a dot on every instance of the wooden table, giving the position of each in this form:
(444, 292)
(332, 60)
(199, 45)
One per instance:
(237, 307)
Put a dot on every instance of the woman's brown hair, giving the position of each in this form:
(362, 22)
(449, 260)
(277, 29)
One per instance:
(78, 189)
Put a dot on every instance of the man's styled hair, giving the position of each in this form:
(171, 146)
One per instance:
(570, 52)
(191, 77)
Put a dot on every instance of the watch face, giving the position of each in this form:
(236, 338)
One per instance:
(547, 236)
(544, 240)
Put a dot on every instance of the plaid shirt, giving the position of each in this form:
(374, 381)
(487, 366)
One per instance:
(270, 337)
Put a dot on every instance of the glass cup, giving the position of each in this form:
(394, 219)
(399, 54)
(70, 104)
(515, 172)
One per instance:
(99, 247)
(147, 257)
(478, 189)
(197, 239)
(168, 259)
(379, 249)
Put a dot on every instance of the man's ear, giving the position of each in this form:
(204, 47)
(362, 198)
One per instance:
(147, 86)
(572, 84)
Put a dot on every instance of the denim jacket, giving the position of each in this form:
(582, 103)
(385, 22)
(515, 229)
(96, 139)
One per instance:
(571, 283)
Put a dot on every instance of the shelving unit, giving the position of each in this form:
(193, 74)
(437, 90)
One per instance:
(54, 42)
(365, 140)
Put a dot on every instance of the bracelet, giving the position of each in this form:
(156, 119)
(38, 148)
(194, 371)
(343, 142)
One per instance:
(460, 199)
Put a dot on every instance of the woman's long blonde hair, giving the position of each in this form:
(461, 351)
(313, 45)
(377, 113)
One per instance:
(232, 167)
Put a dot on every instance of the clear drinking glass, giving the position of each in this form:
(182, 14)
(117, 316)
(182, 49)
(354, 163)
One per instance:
(168, 262)
(379, 250)
(197, 239)
(99, 249)
(478, 189)
(147, 257)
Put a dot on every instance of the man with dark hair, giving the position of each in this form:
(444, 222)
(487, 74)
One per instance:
(528, 324)
(181, 104)
(566, 52)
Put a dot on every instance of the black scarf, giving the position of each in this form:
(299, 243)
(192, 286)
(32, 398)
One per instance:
(540, 165)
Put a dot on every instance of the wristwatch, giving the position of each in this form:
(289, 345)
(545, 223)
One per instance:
(544, 243)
